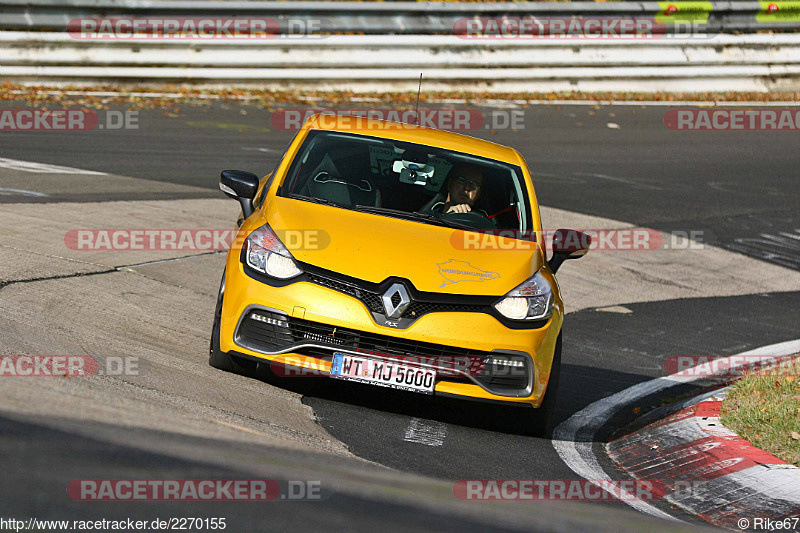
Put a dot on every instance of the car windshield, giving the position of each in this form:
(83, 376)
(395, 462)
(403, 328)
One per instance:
(411, 181)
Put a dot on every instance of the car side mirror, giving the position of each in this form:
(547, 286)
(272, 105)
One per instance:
(568, 244)
(241, 186)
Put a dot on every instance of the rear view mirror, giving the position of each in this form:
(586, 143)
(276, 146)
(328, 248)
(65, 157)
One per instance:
(413, 173)
(568, 244)
(241, 186)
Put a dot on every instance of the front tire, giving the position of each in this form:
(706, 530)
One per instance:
(216, 357)
(539, 422)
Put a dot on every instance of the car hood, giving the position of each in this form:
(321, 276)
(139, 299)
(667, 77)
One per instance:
(374, 247)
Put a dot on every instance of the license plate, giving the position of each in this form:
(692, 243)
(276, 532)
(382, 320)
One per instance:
(384, 373)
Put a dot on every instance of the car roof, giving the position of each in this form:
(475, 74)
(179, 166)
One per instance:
(402, 131)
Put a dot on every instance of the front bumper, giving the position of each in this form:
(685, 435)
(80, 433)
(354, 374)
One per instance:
(308, 322)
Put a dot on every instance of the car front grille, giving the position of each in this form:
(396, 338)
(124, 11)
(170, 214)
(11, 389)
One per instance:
(373, 301)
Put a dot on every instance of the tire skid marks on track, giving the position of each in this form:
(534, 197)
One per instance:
(425, 432)
(43, 168)
(625, 181)
(782, 249)
(5, 191)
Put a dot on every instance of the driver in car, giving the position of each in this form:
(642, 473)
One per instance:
(463, 186)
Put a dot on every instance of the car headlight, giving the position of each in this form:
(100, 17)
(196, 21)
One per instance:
(532, 300)
(266, 254)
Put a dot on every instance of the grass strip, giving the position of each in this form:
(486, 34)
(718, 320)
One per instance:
(764, 408)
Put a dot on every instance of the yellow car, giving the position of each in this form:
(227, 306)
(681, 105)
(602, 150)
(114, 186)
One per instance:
(397, 256)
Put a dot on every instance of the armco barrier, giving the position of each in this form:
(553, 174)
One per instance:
(758, 62)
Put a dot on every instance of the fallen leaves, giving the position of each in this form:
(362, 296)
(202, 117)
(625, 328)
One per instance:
(166, 96)
(795, 435)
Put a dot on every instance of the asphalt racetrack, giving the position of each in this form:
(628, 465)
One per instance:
(736, 193)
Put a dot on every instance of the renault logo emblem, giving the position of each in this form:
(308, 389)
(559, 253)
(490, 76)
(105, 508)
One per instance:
(395, 300)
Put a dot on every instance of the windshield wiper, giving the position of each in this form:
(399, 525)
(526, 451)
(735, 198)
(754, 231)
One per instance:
(410, 215)
(314, 199)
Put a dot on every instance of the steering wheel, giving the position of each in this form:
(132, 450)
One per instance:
(475, 219)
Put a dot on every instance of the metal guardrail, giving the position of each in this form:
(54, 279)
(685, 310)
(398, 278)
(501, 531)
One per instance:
(398, 18)
(756, 62)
